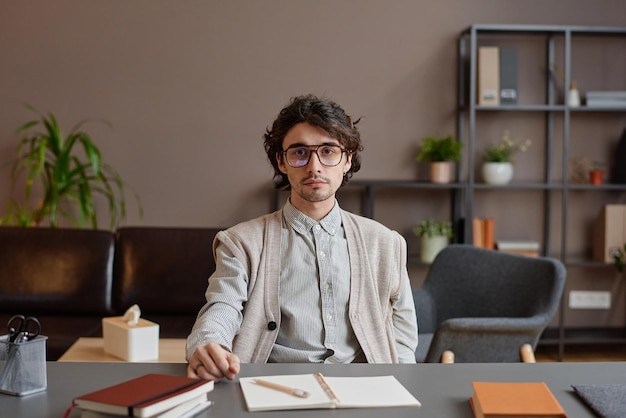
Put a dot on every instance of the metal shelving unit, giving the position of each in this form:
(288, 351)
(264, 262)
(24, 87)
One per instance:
(561, 37)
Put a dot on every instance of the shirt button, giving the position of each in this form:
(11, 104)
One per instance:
(329, 317)
(317, 227)
(322, 254)
(271, 325)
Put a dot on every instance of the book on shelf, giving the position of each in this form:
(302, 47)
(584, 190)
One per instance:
(144, 396)
(527, 253)
(483, 232)
(607, 94)
(606, 103)
(323, 392)
(519, 247)
(514, 399)
(609, 98)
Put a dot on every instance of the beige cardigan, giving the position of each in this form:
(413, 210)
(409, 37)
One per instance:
(376, 274)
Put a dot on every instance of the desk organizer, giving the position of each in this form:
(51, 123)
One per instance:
(131, 342)
(23, 366)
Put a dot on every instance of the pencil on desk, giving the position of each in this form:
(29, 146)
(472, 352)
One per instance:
(286, 389)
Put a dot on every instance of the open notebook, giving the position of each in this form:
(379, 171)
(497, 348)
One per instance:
(326, 392)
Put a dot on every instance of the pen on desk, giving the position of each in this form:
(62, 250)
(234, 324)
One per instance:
(286, 389)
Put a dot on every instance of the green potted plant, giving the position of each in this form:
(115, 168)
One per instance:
(442, 153)
(619, 258)
(51, 165)
(435, 236)
(498, 159)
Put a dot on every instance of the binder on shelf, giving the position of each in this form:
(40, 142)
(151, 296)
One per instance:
(508, 76)
(488, 76)
(609, 232)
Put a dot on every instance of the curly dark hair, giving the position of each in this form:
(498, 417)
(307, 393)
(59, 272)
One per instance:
(322, 113)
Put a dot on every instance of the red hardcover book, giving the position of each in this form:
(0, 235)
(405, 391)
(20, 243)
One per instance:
(144, 396)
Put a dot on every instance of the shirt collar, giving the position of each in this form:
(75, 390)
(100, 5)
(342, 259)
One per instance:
(303, 224)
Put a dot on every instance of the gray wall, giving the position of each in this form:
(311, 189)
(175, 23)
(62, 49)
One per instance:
(190, 86)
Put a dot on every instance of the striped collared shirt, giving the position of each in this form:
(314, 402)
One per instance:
(314, 291)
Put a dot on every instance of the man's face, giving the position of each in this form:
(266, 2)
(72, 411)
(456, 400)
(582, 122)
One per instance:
(313, 182)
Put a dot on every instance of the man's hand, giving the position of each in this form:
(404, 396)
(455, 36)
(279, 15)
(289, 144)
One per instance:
(213, 362)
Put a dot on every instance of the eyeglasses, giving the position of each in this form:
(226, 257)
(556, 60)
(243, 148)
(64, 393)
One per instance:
(300, 155)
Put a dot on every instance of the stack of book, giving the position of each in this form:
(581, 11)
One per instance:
(606, 99)
(151, 395)
(527, 248)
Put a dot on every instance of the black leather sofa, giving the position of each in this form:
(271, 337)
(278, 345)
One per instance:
(70, 278)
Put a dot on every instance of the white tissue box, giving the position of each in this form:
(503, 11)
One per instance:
(131, 342)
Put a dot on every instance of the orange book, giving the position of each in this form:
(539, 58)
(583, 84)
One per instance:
(514, 399)
(478, 232)
(489, 226)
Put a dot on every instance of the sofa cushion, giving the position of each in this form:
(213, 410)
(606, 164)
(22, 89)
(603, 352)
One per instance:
(59, 271)
(63, 330)
(163, 270)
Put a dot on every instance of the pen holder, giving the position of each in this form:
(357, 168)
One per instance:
(23, 366)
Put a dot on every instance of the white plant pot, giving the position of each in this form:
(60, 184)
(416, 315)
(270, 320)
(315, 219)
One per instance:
(497, 173)
(431, 247)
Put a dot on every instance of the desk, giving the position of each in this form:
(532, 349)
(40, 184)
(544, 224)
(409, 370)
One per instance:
(171, 350)
(443, 389)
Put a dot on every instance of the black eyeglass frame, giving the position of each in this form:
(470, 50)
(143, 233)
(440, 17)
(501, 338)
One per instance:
(317, 147)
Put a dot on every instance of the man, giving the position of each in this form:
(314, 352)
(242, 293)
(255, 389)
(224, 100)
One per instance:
(310, 282)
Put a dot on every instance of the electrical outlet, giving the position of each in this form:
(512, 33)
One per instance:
(588, 299)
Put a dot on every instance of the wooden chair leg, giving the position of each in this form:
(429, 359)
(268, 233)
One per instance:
(447, 357)
(527, 354)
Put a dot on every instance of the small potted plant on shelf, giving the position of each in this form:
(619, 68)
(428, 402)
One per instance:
(619, 258)
(68, 172)
(434, 236)
(442, 153)
(596, 173)
(498, 159)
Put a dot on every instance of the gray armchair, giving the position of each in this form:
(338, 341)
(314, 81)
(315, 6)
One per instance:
(484, 305)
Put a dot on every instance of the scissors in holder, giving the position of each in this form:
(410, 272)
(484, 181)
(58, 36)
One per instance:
(23, 328)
